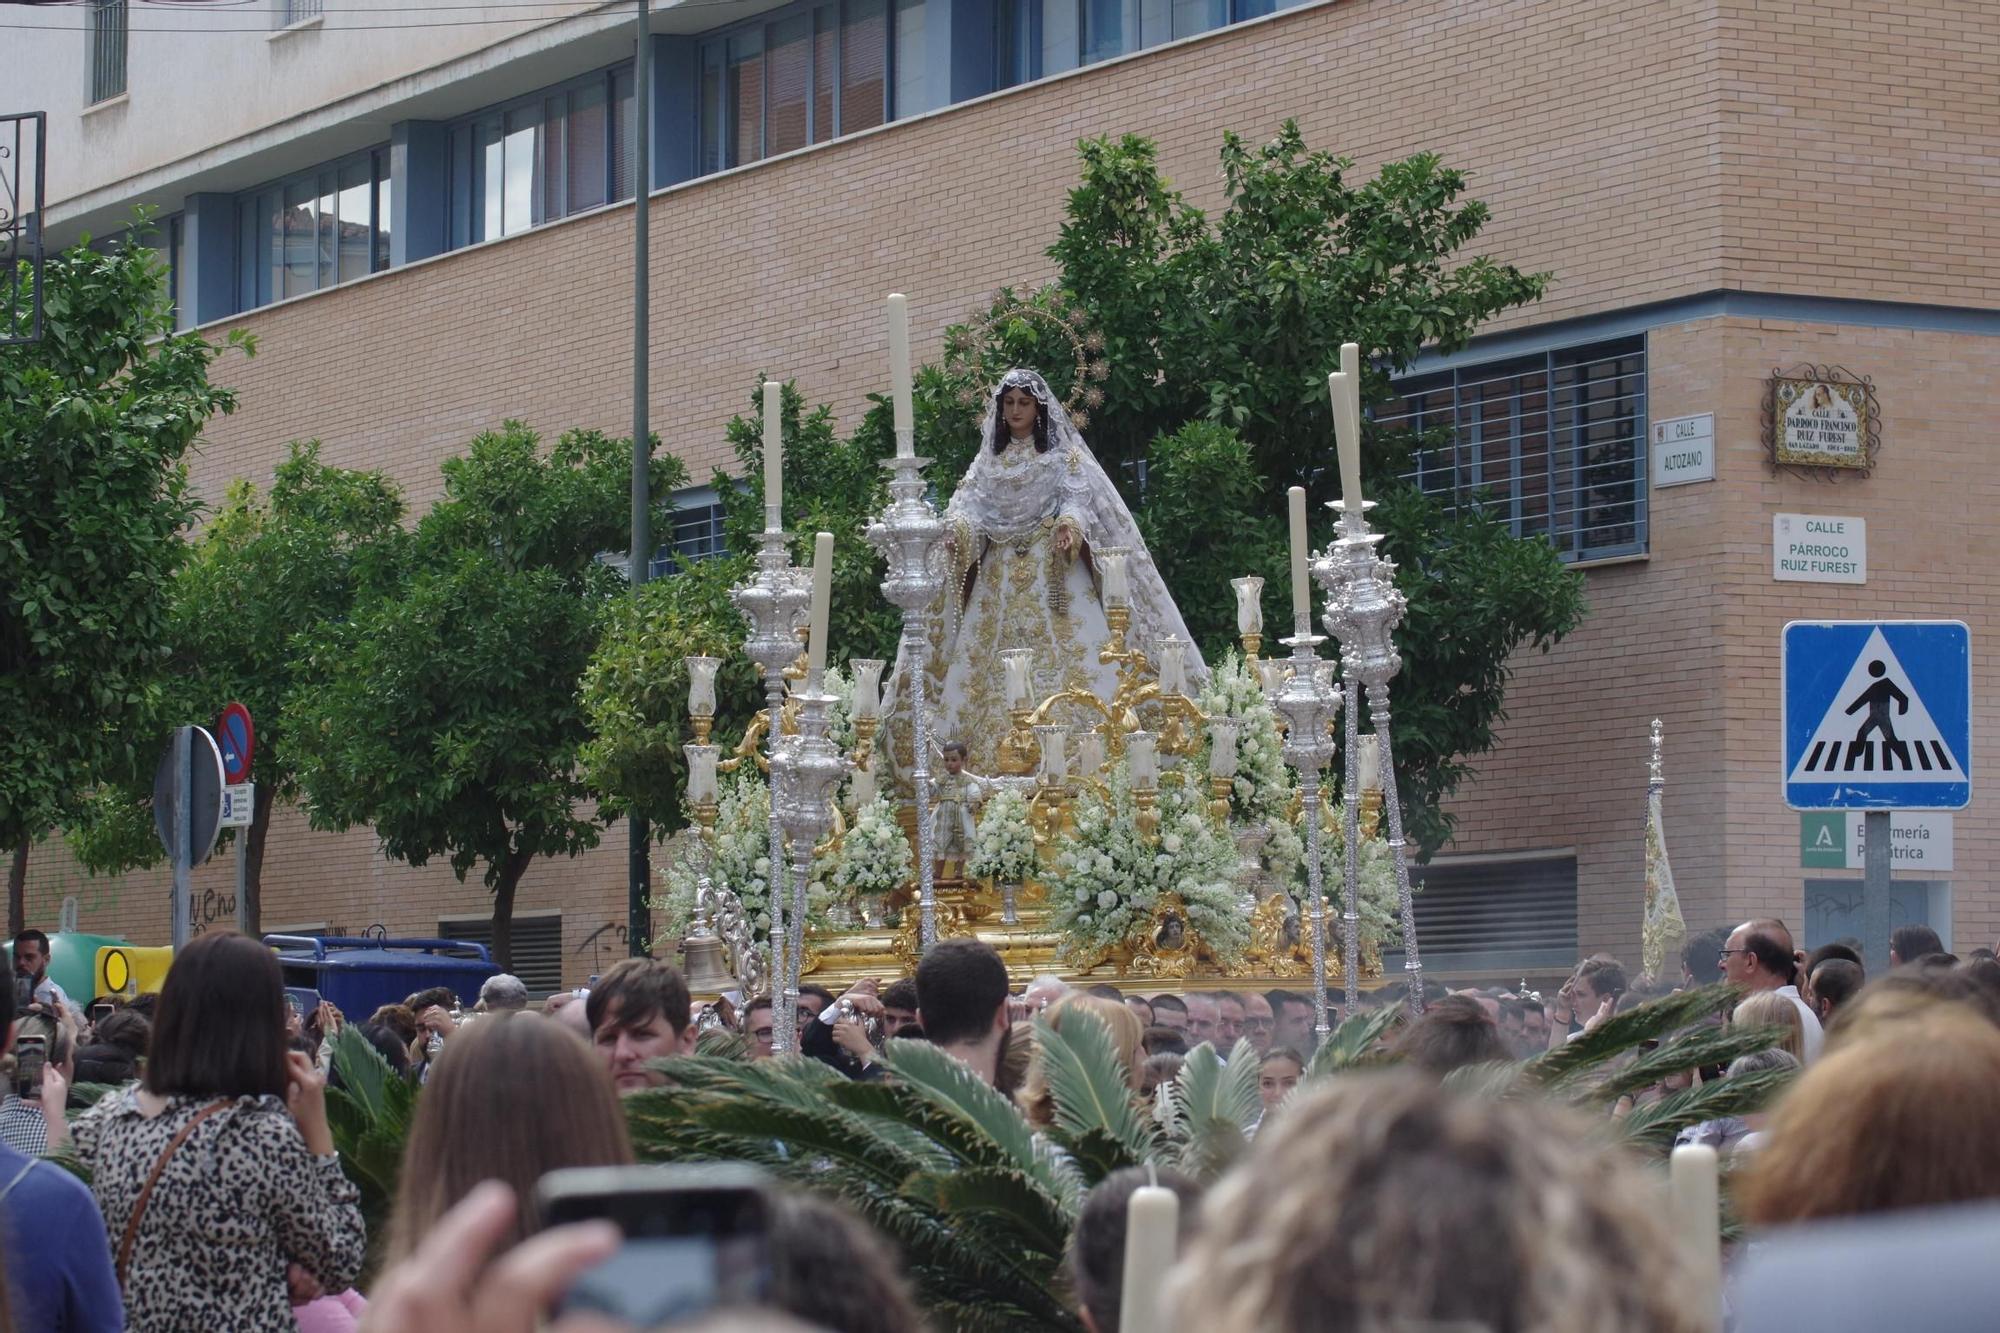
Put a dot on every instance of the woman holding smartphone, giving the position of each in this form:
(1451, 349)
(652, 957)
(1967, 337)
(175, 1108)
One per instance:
(218, 1168)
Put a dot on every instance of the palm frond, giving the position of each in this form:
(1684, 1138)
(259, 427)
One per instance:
(1653, 1128)
(1352, 1044)
(1004, 1197)
(1494, 1078)
(984, 1117)
(1698, 1048)
(1088, 1082)
(1211, 1109)
(1585, 1059)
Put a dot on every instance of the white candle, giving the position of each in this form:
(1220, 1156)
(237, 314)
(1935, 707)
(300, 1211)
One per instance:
(1301, 598)
(1089, 754)
(868, 686)
(701, 685)
(774, 456)
(1143, 758)
(1111, 569)
(1152, 1241)
(1368, 759)
(1173, 665)
(1222, 747)
(1055, 758)
(1249, 604)
(1691, 1178)
(1274, 673)
(701, 771)
(821, 604)
(899, 372)
(1016, 661)
(863, 787)
(1344, 388)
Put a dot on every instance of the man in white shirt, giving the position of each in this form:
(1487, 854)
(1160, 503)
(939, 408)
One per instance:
(1758, 957)
(31, 960)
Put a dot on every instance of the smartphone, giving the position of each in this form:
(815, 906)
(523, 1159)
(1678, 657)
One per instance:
(101, 1010)
(697, 1238)
(30, 1055)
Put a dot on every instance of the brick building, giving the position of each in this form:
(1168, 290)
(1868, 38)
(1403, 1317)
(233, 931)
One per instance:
(1722, 190)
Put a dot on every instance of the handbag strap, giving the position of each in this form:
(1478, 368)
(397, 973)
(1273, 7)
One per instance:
(131, 1235)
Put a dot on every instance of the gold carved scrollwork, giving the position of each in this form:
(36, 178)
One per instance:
(1273, 950)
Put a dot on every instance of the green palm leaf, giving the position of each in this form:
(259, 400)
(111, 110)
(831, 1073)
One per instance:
(1654, 1127)
(1587, 1058)
(983, 1117)
(1352, 1044)
(1088, 1082)
(1698, 1048)
(1211, 1108)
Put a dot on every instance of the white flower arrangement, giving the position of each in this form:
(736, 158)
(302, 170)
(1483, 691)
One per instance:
(1003, 846)
(874, 857)
(1264, 788)
(1379, 913)
(741, 862)
(1107, 879)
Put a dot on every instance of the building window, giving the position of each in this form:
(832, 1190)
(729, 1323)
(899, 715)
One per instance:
(1511, 914)
(107, 29)
(698, 519)
(557, 152)
(288, 12)
(317, 229)
(1555, 443)
(1834, 908)
(537, 946)
(799, 77)
(1039, 38)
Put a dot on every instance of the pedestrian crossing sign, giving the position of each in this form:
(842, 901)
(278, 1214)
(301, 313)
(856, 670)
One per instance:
(1878, 715)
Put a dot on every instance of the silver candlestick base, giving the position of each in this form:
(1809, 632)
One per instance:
(775, 602)
(1364, 608)
(1307, 707)
(805, 772)
(910, 535)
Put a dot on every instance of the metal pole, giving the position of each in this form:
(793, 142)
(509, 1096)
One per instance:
(638, 916)
(181, 923)
(916, 639)
(1876, 843)
(243, 876)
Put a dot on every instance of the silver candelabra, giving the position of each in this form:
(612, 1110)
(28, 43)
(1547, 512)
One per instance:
(1307, 707)
(775, 601)
(908, 533)
(804, 772)
(1363, 610)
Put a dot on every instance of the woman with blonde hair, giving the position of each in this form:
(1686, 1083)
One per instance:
(1897, 1118)
(513, 1096)
(1035, 1099)
(1440, 1210)
(1770, 1009)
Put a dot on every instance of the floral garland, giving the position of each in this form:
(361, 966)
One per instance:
(1378, 910)
(1264, 789)
(741, 863)
(1003, 846)
(1107, 879)
(874, 857)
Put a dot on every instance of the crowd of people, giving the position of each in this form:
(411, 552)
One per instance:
(1387, 1199)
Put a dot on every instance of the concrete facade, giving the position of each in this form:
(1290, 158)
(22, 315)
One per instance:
(1687, 169)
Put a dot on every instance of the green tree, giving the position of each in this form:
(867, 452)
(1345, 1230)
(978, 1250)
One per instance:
(265, 570)
(96, 420)
(445, 710)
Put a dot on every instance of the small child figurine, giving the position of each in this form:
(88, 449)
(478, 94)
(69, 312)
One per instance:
(956, 792)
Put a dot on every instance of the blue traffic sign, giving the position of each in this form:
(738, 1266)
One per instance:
(1878, 715)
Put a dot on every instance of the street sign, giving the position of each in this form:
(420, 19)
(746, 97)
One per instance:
(239, 804)
(1819, 548)
(204, 786)
(1683, 450)
(1837, 840)
(1877, 715)
(238, 740)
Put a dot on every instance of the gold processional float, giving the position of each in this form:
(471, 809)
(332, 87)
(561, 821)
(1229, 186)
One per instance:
(1158, 789)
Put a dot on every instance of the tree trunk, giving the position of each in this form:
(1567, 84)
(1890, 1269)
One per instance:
(511, 871)
(17, 892)
(252, 853)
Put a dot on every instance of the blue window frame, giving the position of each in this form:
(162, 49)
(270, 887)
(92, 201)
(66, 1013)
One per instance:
(314, 229)
(800, 75)
(1040, 38)
(555, 152)
(698, 519)
(1554, 443)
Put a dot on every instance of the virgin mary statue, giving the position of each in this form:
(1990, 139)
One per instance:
(1023, 530)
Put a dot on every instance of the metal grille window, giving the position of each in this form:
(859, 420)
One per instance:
(798, 77)
(1555, 443)
(1513, 914)
(537, 946)
(288, 12)
(317, 229)
(698, 519)
(107, 29)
